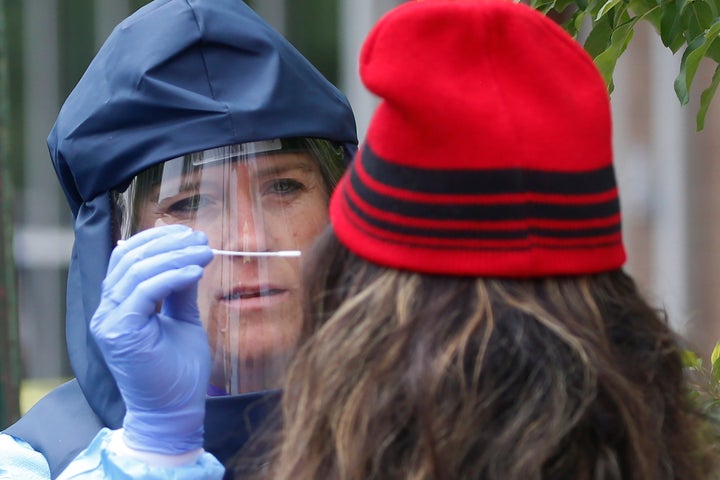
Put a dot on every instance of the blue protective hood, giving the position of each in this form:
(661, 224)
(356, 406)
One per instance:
(175, 77)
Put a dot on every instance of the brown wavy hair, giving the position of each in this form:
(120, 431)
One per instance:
(411, 376)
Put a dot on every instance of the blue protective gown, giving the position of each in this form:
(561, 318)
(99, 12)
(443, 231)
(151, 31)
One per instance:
(175, 77)
(99, 461)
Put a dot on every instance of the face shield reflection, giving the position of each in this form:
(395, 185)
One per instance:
(260, 204)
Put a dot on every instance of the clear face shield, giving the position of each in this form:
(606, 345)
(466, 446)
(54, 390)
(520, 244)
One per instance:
(261, 204)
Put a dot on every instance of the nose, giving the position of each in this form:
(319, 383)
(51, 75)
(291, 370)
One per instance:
(245, 227)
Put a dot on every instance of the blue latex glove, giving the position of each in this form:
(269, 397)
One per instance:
(160, 361)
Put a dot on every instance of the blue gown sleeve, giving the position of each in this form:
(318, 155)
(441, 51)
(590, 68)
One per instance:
(19, 460)
(99, 462)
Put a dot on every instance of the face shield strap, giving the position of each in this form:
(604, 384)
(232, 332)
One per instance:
(249, 149)
(237, 151)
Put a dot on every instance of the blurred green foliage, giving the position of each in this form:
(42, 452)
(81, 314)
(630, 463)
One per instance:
(705, 390)
(314, 32)
(688, 26)
(705, 381)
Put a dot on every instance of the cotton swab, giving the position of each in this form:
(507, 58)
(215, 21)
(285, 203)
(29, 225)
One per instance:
(281, 253)
(234, 253)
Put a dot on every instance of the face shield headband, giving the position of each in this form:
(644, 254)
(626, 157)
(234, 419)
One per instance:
(261, 204)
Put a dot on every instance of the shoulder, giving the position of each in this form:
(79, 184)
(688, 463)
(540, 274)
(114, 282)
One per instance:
(20, 460)
(103, 459)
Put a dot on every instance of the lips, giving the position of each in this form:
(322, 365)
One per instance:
(251, 293)
(260, 299)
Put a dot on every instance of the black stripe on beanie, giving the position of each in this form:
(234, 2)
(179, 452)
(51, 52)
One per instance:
(485, 212)
(498, 211)
(488, 182)
(429, 242)
(440, 231)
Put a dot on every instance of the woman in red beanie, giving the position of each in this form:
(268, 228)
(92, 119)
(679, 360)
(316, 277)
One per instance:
(468, 315)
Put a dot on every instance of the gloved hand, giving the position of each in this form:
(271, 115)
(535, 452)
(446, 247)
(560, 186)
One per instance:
(160, 360)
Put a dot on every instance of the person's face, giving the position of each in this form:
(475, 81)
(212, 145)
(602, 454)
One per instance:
(250, 306)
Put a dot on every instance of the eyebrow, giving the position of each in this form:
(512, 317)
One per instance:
(300, 162)
(187, 184)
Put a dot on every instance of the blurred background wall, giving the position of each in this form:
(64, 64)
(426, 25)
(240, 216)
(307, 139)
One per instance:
(668, 173)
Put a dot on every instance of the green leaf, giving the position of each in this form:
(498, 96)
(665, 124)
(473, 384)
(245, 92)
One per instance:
(594, 6)
(697, 17)
(680, 5)
(599, 37)
(574, 23)
(619, 41)
(714, 50)
(561, 5)
(691, 360)
(671, 31)
(715, 5)
(640, 7)
(542, 6)
(651, 13)
(609, 5)
(715, 356)
(691, 59)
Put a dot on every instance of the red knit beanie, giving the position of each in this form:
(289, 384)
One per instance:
(490, 153)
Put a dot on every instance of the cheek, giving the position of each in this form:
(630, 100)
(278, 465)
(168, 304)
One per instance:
(205, 292)
(307, 234)
(147, 219)
(306, 227)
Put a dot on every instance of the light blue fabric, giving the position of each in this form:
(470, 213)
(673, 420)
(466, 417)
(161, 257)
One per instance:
(97, 462)
(20, 462)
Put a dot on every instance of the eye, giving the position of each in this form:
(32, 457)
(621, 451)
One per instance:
(187, 205)
(286, 186)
